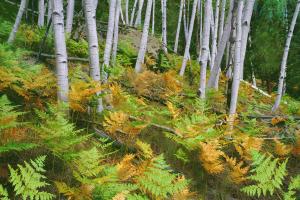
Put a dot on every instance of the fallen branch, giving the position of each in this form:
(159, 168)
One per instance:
(257, 89)
(54, 56)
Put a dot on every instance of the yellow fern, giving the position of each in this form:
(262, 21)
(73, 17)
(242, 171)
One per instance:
(81, 93)
(210, 158)
(296, 148)
(117, 95)
(282, 149)
(126, 169)
(246, 144)
(237, 173)
(84, 192)
(115, 121)
(173, 110)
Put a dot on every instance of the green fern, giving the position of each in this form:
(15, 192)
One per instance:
(3, 193)
(159, 181)
(13, 146)
(267, 173)
(57, 133)
(293, 185)
(109, 190)
(136, 197)
(28, 179)
(8, 115)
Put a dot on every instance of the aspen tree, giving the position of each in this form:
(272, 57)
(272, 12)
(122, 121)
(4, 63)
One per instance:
(153, 17)
(164, 25)
(284, 58)
(237, 63)
(109, 37)
(70, 14)
(205, 48)
(90, 19)
(41, 16)
(188, 43)
(116, 33)
(221, 48)
(248, 10)
(178, 26)
(13, 32)
(133, 12)
(144, 39)
(138, 20)
(60, 50)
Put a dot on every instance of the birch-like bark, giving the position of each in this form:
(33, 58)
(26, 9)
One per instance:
(201, 27)
(70, 14)
(50, 10)
(153, 17)
(116, 33)
(237, 62)
(248, 10)
(144, 39)
(138, 20)
(109, 37)
(185, 26)
(285, 57)
(121, 15)
(91, 28)
(126, 11)
(41, 16)
(205, 47)
(13, 33)
(60, 51)
(221, 49)
(215, 34)
(222, 19)
(178, 26)
(188, 43)
(164, 25)
(133, 12)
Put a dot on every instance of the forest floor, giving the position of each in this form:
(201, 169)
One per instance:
(155, 140)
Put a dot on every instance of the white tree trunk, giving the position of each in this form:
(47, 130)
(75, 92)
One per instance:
(221, 49)
(50, 10)
(153, 17)
(116, 33)
(188, 43)
(185, 26)
(90, 20)
(164, 25)
(237, 62)
(144, 39)
(121, 15)
(222, 19)
(138, 20)
(285, 57)
(41, 17)
(126, 11)
(133, 12)
(205, 47)
(248, 10)
(109, 37)
(60, 51)
(200, 27)
(215, 34)
(13, 33)
(178, 26)
(70, 14)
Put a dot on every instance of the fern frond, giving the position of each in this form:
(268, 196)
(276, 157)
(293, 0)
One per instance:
(28, 180)
(80, 193)
(8, 115)
(58, 135)
(158, 181)
(282, 149)
(210, 158)
(144, 149)
(237, 173)
(3, 193)
(267, 173)
(13, 146)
